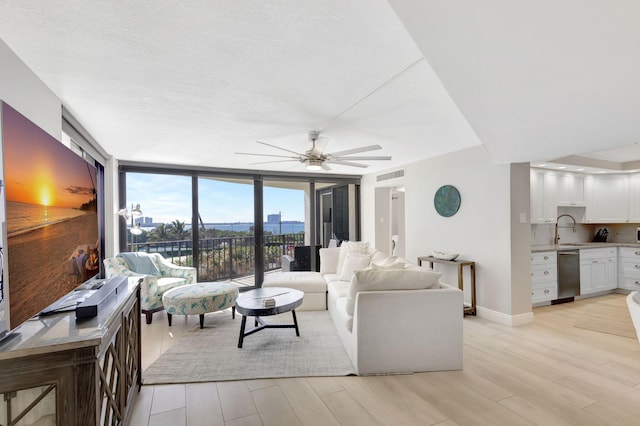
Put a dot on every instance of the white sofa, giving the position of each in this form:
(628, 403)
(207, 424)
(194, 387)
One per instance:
(392, 316)
(633, 304)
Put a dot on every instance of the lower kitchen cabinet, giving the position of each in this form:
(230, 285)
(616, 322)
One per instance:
(629, 268)
(544, 276)
(598, 270)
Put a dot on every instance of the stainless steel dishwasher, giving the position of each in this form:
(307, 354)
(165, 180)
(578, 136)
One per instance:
(568, 275)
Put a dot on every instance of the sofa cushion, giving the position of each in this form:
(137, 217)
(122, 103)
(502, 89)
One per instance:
(390, 266)
(343, 316)
(308, 282)
(338, 289)
(140, 262)
(395, 279)
(331, 277)
(378, 256)
(359, 247)
(353, 262)
(329, 260)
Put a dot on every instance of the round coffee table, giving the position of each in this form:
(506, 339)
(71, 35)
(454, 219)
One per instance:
(251, 304)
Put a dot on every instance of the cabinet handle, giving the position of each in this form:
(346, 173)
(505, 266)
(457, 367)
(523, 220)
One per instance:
(637, 266)
(546, 258)
(547, 272)
(594, 261)
(546, 291)
(637, 283)
(532, 293)
(637, 253)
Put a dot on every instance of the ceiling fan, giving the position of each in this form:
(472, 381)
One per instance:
(315, 159)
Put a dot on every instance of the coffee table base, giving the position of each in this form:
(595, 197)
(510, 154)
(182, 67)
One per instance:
(264, 325)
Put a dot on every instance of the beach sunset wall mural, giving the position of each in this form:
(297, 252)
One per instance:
(51, 216)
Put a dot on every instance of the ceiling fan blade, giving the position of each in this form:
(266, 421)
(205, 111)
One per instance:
(269, 155)
(346, 163)
(280, 148)
(325, 166)
(275, 161)
(355, 150)
(365, 157)
(321, 144)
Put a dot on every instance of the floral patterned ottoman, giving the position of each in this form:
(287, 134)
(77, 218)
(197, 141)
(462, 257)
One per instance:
(200, 298)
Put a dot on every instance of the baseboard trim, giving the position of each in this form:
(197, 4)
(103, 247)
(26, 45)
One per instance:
(506, 319)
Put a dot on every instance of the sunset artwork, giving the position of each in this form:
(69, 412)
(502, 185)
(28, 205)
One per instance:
(51, 213)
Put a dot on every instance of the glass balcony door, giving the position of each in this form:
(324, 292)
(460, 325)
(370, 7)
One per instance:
(226, 230)
(286, 225)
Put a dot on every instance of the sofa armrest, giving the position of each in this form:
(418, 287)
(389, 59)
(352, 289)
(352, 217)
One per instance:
(421, 330)
(172, 270)
(288, 263)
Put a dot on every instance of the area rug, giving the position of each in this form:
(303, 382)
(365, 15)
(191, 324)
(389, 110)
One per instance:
(609, 316)
(212, 354)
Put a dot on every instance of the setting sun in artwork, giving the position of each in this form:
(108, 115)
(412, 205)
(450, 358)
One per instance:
(45, 196)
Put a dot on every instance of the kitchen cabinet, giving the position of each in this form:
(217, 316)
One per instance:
(543, 199)
(634, 198)
(569, 189)
(544, 276)
(607, 199)
(598, 270)
(629, 268)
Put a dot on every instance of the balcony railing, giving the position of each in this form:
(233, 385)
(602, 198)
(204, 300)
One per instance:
(225, 258)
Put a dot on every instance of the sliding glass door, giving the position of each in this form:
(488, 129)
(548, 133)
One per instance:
(286, 226)
(226, 243)
(233, 226)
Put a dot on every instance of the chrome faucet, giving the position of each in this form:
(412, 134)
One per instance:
(556, 238)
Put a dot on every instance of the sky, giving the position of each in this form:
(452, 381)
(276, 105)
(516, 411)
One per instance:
(40, 170)
(166, 198)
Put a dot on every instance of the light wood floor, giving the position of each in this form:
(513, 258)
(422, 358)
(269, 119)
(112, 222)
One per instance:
(546, 373)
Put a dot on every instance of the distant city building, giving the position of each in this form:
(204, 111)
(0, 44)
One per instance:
(143, 221)
(273, 218)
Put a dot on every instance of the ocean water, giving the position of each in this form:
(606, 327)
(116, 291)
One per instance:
(23, 217)
(274, 228)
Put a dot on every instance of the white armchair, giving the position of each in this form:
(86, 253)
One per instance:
(154, 285)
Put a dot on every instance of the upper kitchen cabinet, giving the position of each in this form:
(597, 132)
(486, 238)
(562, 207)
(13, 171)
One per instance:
(634, 198)
(550, 189)
(543, 200)
(570, 189)
(607, 198)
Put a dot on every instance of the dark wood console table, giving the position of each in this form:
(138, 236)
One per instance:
(65, 371)
(468, 308)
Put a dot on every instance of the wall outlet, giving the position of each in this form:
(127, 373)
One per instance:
(523, 218)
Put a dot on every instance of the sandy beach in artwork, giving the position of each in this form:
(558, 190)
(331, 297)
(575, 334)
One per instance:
(39, 263)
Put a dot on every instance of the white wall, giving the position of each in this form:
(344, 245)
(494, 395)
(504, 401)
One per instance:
(27, 94)
(480, 231)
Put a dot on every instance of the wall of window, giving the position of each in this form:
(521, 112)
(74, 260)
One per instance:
(230, 225)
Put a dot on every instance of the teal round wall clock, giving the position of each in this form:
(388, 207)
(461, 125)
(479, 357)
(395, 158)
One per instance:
(447, 200)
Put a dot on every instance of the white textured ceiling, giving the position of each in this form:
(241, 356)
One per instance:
(194, 82)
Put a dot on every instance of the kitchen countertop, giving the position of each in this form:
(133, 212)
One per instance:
(576, 246)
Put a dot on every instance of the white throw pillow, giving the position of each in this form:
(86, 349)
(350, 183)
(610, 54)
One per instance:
(378, 280)
(388, 266)
(360, 247)
(347, 247)
(352, 263)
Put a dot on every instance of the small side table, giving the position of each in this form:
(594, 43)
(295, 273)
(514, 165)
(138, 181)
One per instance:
(468, 309)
